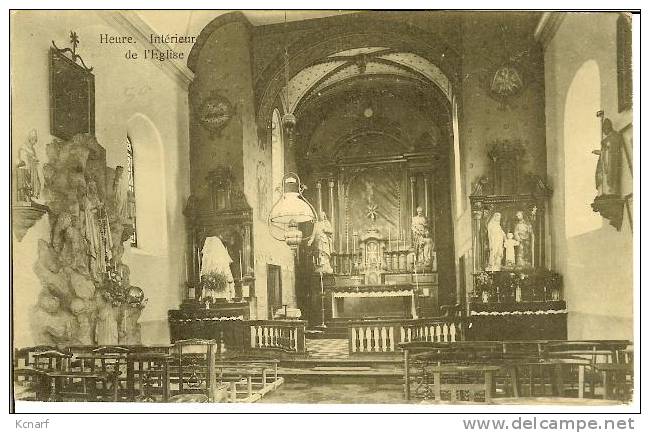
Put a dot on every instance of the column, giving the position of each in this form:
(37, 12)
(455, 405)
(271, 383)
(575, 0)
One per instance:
(430, 199)
(330, 183)
(413, 204)
(477, 248)
(426, 196)
(246, 254)
(414, 311)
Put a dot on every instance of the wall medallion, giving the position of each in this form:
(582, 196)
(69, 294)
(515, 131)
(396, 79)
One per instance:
(506, 82)
(215, 112)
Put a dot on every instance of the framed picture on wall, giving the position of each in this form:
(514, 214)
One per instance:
(624, 61)
(72, 97)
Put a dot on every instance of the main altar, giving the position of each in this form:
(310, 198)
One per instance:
(373, 253)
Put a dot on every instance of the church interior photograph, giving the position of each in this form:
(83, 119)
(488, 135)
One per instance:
(424, 207)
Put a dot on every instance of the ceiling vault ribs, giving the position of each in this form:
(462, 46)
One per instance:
(407, 63)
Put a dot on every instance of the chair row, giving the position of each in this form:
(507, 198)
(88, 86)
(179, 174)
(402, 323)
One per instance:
(482, 370)
(187, 371)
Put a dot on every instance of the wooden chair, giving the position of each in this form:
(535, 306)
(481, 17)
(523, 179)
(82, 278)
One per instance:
(148, 376)
(597, 352)
(618, 380)
(556, 377)
(108, 360)
(456, 383)
(248, 380)
(192, 372)
(30, 368)
(55, 379)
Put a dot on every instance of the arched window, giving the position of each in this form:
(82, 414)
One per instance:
(277, 154)
(149, 185)
(131, 192)
(581, 137)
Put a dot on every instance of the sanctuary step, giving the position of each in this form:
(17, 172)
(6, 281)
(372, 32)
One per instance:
(332, 331)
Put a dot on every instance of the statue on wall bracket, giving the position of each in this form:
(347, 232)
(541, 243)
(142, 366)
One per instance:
(609, 202)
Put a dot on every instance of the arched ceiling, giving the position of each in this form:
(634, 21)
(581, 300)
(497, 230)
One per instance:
(361, 62)
(371, 116)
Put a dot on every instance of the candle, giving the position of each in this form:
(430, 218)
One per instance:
(241, 271)
(389, 247)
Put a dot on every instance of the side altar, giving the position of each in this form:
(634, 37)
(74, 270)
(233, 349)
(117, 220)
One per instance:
(514, 294)
(219, 262)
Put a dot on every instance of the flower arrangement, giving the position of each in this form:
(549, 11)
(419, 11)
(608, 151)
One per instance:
(211, 284)
(216, 281)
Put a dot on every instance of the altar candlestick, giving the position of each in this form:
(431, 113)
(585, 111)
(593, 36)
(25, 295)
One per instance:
(347, 243)
(241, 272)
(389, 247)
(322, 301)
(415, 271)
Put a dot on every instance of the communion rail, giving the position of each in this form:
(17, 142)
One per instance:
(384, 336)
(285, 335)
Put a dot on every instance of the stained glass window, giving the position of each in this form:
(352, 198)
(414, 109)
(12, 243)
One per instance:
(131, 192)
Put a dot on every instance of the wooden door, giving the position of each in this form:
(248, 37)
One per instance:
(273, 288)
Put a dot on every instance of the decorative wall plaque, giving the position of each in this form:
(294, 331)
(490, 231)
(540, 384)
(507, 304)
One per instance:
(72, 92)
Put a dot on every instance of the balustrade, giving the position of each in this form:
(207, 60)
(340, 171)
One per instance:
(384, 336)
(286, 335)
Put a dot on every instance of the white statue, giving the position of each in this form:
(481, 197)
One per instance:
(523, 233)
(425, 249)
(418, 226)
(322, 234)
(510, 243)
(496, 238)
(99, 241)
(215, 258)
(106, 332)
(30, 174)
(120, 195)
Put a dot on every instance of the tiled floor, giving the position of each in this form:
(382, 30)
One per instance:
(327, 348)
